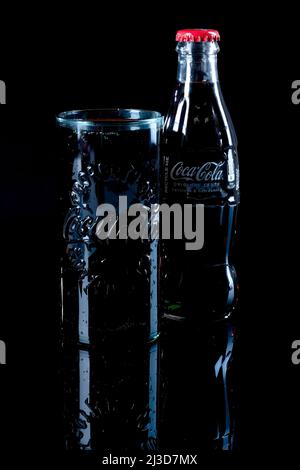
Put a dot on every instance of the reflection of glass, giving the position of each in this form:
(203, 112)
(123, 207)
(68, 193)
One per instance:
(84, 399)
(109, 287)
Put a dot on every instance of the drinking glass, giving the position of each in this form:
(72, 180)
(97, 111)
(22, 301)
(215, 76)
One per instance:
(109, 286)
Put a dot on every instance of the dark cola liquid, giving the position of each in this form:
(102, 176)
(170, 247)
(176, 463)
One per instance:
(199, 288)
(109, 294)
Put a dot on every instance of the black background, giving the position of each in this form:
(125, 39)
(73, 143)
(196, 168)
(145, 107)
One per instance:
(52, 62)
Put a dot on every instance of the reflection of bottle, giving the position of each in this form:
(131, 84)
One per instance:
(199, 287)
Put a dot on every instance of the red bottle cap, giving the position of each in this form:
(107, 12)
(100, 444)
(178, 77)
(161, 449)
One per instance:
(197, 35)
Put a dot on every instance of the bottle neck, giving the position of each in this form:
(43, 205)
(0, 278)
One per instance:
(197, 62)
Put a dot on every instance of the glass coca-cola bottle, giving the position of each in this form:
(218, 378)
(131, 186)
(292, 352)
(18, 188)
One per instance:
(199, 287)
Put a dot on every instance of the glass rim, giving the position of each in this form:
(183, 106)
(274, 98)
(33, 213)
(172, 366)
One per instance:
(114, 118)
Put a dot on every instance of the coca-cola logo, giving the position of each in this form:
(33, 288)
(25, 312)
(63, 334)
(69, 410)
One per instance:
(209, 171)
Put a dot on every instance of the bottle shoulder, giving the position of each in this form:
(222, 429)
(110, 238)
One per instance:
(198, 117)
